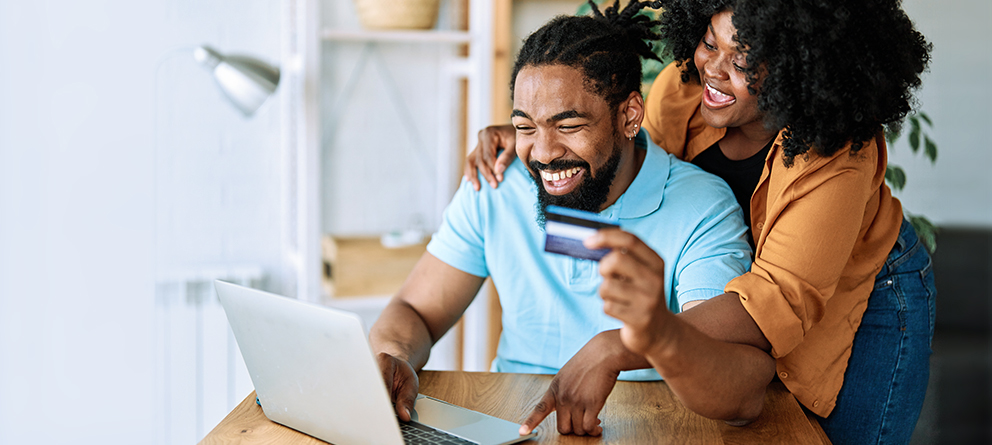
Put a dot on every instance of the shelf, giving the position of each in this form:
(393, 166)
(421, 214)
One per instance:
(405, 36)
(360, 267)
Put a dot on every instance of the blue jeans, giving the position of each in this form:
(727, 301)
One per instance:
(886, 377)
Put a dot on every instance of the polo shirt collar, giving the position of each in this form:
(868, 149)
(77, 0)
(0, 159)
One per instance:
(645, 193)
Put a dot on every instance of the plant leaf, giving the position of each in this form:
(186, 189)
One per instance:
(930, 149)
(925, 118)
(926, 230)
(584, 9)
(914, 139)
(895, 176)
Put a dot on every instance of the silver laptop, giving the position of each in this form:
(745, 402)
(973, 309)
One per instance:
(314, 371)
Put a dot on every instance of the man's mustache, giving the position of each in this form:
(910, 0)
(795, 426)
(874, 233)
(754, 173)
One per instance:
(558, 164)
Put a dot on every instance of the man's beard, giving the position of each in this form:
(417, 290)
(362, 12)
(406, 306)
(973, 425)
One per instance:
(589, 195)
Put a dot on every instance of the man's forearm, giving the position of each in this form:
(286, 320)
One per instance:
(402, 333)
(620, 356)
(716, 369)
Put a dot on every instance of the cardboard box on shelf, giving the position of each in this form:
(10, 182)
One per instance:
(360, 267)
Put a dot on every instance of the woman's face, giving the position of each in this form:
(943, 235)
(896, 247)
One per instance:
(726, 101)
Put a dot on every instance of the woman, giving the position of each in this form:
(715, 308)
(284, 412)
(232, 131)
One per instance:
(787, 101)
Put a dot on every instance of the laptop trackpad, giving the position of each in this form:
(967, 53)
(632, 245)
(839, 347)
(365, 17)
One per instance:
(443, 415)
(466, 423)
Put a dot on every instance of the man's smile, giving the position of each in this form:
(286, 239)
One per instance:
(560, 182)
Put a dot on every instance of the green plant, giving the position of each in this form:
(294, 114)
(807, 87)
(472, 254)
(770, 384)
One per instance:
(917, 138)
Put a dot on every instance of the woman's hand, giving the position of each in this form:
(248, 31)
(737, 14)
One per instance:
(484, 158)
(633, 289)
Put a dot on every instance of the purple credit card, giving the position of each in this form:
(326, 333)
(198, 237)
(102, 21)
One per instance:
(567, 228)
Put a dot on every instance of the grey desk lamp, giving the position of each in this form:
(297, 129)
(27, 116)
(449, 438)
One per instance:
(247, 82)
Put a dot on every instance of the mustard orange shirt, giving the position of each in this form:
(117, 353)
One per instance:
(822, 228)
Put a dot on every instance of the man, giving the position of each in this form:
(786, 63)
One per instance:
(577, 109)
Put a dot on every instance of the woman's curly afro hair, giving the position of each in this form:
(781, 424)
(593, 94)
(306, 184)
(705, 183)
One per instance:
(832, 72)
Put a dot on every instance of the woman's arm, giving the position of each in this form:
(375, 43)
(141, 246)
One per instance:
(484, 158)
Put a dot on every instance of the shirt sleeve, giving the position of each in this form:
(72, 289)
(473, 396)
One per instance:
(807, 239)
(717, 250)
(460, 242)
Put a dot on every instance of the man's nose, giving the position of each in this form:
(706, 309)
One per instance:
(547, 148)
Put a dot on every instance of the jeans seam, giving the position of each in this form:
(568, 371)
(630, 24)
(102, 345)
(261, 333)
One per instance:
(904, 256)
(897, 369)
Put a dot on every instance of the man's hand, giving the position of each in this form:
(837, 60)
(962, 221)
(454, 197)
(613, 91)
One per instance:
(579, 390)
(484, 158)
(401, 382)
(633, 289)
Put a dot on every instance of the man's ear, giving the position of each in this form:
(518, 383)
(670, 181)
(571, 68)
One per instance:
(631, 113)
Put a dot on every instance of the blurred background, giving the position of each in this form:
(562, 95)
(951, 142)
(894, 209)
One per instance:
(128, 183)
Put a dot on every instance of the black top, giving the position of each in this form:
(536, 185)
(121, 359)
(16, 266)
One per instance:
(742, 176)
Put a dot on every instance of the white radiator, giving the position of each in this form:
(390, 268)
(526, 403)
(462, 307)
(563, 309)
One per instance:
(200, 375)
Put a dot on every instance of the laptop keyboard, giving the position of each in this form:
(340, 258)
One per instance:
(419, 434)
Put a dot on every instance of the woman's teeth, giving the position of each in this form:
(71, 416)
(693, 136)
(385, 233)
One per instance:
(718, 95)
(547, 176)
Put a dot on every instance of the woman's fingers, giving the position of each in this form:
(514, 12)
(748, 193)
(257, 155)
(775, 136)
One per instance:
(486, 157)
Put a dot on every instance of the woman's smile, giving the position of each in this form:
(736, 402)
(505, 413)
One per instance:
(714, 98)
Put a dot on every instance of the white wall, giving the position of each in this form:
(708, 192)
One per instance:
(76, 201)
(956, 93)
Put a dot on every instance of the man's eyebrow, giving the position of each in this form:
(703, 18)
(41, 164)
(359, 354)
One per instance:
(570, 114)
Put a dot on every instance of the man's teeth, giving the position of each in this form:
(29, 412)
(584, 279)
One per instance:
(559, 174)
(717, 94)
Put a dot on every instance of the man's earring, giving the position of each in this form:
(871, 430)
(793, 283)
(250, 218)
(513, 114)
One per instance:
(631, 137)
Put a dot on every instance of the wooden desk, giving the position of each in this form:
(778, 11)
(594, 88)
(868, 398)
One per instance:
(635, 413)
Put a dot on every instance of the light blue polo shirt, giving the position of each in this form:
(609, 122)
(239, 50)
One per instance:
(551, 305)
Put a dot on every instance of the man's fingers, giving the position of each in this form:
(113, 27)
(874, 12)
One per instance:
(405, 403)
(616, 301)
(623, 275)
(565, 422)
(541, 410)
(590, 423)
(625, 243)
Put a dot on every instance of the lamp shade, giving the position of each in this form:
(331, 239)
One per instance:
(247, 82)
